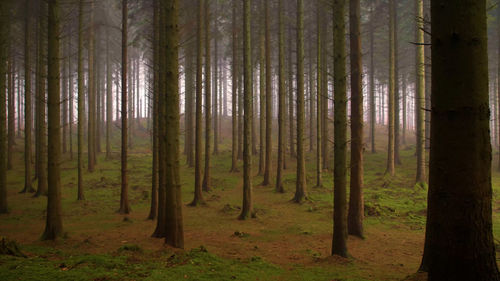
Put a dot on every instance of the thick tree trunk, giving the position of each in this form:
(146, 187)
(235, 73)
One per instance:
(174, 235)
(300, 185)
(281, 102)
(124, 204)
(339, 244)
(460, 192)
(54, 227)
(356, 204)
(247, 209)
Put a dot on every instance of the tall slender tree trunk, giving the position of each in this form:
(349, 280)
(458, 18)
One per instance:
(234, 98)
(208, 99)
(373, 110)
(262, 88)
(247, 208)
(190, 89)
(81, 101)
(198, 195)
(124, 204)
(4, 35)
(216, 81)
(397, 99)
(319, 93)
(420, 91)
(91, 93)
(28, 186)
(41, 130)
(269, 104)
(70, 100)
(156, 56)
(174, 235)
(460, 153)
(65, 97)
(109, 98)
(392, 84)
(54, 226)
(300, 186)
(339, 244)
(281, 101)
(291, 119)
(356, 204)
(11, 134)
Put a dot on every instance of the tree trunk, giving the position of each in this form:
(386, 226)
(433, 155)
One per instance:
(208, 99)
(28, 186)
(235, 72)
(319, 94)
(54, 227)
(91, 93)
(397, 107)
(356, 204)
(291, 120)
(174, 235)
(4, 35)
(109, 98)
(81, 101)
(339, 245)
(269, 104)
(11, 110)
(216, 81)
(420, 92)
(392, 84)
(262, 89)
(70, 100)
(247, 209)
(373, 107)
(41, 130)
(300, 187)
(198, 195)
(281, 102)
(460, 192)
(124, 204)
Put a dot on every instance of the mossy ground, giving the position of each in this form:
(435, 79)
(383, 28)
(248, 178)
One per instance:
(286, 241)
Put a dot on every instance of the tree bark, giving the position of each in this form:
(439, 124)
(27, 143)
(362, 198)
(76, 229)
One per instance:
(81, 101)
(460, 191)
(269, 111)
(4, 34)
(91, 94)
(356, 204)
(281, 102)
(392, 84)
(247, 208)
(208, 99)
(54, 226)
(339, 244)
(319, 92)
(300, 187)
(124, 204)
(234, 99)
(420, 92)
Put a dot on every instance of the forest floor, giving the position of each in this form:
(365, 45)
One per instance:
(286, 241)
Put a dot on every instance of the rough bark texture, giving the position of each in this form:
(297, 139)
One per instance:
(356, 204)
(339, 244)
(54, 227)
(460, 192)
(300, 185)
(247, 209)
(124, 204)
(174, 235)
